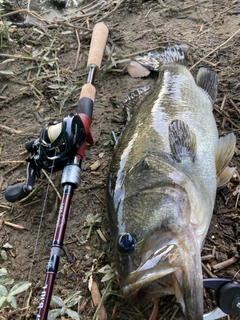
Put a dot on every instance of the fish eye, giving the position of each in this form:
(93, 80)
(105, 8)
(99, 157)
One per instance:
(126, 242)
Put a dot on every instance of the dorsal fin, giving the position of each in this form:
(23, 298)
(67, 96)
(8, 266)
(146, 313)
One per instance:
(207, 80)
(182, 141)
(224, 152)
(153, 61)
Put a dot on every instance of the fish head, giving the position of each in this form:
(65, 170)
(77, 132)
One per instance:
(159, 255)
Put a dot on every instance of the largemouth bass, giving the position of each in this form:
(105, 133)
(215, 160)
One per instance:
(162, 185)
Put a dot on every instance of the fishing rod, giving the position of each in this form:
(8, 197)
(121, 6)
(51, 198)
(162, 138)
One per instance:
(61, 146)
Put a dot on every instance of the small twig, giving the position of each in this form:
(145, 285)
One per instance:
(16, 311)
(65, 99)
(3, 88)
(13, 168)
(223, 102)
(32, 193)
(211, 275)
(140, 52)
(5, 207)
(96, 186)
(17, 56)
(234, 105)
(222, 113)
(104, 204)
(11, 161)
(207, 257)
(109, 13)
(52, 184)
(101, 235)
(29, 12)
(67, 24)
(224, 264)
(16, 226)
(78, 50)
(68, 254)
(154, 313)
(217, 48)
(174, 313)
(9, 130)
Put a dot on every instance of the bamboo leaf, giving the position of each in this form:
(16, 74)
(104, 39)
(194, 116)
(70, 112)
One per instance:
(72, 299)
(67, 32)
(7, 72)
(72, 314)
(12, 300)
(7, 60)
(3, 291)
(107, 277)
(19, 287)
(57, 301)
(3, 255)
(7, 246)
(3, 272)
(3, 302)
(7, 281)
(53, 314)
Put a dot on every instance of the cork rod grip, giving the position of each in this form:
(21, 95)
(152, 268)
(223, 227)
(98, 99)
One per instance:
(97, 46)
(88, 91)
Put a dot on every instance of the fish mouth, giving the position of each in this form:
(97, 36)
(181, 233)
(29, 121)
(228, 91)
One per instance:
(173, 269)
(153, 278)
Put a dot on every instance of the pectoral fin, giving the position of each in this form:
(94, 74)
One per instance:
(182, 141)
(224, 153)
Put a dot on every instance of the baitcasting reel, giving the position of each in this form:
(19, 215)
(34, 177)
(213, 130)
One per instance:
(227, 297)
(56, 146)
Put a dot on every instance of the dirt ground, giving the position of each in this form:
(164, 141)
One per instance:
(42, 70)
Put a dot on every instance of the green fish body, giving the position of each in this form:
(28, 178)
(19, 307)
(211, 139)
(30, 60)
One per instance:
(162, 185)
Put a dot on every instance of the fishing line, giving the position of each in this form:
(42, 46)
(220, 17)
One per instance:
(39, 230)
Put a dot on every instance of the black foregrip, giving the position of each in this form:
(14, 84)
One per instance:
(85, 105)
(15, 192)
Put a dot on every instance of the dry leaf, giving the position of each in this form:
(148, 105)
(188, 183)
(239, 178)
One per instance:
(136, 70)
(96, 298)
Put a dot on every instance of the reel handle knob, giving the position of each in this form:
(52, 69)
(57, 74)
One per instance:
(16, 192)
(19, 191)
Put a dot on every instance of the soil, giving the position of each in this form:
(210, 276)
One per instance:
(48, 89)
